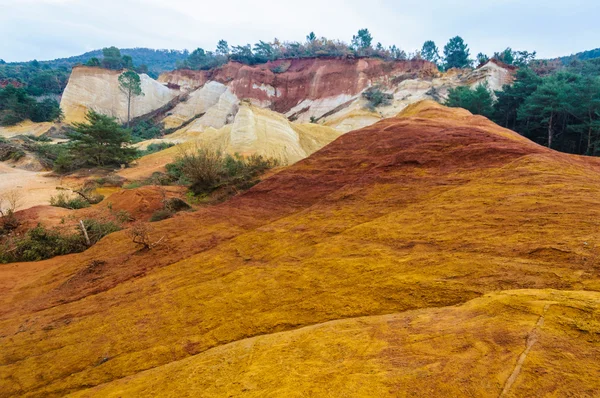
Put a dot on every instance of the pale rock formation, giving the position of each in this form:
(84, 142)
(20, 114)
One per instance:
(198, 103)
(183, 79)
(257, 131)
(98, 89)
(218, 115)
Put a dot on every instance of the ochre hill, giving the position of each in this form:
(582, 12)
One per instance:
(404, 225)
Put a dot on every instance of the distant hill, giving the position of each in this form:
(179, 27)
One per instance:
(582, 56)
(158, 61)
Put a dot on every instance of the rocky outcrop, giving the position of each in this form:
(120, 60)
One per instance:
(254, 130)
(98, 89)
(214, 99)
(328, 90)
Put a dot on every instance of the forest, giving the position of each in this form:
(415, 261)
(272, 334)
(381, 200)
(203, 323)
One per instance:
(560, 110)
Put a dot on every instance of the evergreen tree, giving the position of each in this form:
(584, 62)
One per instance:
(430, 52)
(112, 58)
(512, 97)
(93, 62)
(263, 52)
(546, 109)
(100, 142)
(131, 85)
(456, 54)
(311, 37)
(478, 101)
(482, 59)
(507, 56)
(222, 48)
(585, 108)
(362, 41)
(127, 62)
(243, 54)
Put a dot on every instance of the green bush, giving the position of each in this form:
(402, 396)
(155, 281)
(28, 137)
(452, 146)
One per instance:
(160, 215)
(40, 243)
(146, 130)
(206, 170)
(97, 229)
(49, 154)
(10, 119)
(156, 147)
(376, 97)
(62, 199)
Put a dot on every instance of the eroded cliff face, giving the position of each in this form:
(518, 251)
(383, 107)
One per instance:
(98, 89)
(203, 106)
(329, 90)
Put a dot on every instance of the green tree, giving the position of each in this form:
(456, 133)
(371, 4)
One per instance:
(131, 85)
(93, 62)
(311, 37)
(430, 52)
(456, 54)
(507, 56)
(362, 41)
(524, 58)
(512, 97)
(112, 58)
(47, 110)
(100, 141)
(397, 53)
(263, 52)
(243, 54)
(546, 109)
(478, 100)
(142, 69)
(127, 62)
(585, 109)
(482, 59)
(222, 48)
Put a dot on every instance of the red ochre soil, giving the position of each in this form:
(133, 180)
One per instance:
(419, 224)
(136, 204)
(311, 78)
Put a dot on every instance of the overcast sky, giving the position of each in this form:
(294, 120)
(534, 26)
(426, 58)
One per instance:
(48, 29)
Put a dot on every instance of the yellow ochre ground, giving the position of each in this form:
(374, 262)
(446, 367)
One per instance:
(431, 254)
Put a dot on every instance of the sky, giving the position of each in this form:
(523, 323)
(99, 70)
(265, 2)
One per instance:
(49, 29)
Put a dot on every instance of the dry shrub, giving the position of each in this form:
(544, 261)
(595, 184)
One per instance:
(9, 202)
(207, 169)
(139, 234)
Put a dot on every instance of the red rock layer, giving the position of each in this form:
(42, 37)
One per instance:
(302, 79)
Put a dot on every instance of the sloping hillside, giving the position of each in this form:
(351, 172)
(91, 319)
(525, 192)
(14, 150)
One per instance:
(395, 223)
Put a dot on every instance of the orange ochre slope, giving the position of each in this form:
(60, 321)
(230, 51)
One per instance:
(431, 254)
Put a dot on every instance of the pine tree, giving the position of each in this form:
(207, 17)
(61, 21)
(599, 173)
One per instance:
(430, 52)
(547, 107)
(100, 141)
(456, 54)
(130, 84)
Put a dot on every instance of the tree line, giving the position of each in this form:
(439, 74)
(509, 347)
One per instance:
(16, 105)
(559, 110)
(456, 53)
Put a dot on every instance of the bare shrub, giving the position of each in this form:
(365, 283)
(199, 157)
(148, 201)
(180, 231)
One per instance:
(9, 202)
